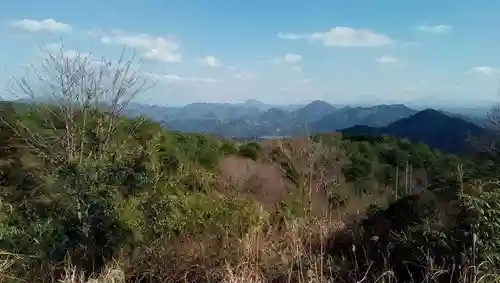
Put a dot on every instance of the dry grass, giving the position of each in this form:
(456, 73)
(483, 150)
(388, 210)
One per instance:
(269, 254)
(109, 275)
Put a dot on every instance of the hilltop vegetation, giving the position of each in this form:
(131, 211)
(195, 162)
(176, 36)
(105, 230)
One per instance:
(87, 193)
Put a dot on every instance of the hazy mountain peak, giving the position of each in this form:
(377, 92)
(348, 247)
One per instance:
(429, 114)
(319, 103)
(313, 111)
(253, 102)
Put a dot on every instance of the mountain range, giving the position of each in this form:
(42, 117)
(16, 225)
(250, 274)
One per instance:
(447, 130)
(253, 118)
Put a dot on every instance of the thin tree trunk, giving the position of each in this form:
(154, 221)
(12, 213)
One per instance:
(397, 180)
(406, 177)
(411, 180)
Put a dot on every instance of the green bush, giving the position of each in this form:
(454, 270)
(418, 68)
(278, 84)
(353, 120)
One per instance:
(250, 150)
(385, 173)
(358, 167)
(228, 147)
(171, 212)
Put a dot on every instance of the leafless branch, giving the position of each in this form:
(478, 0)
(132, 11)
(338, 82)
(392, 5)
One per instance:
(68, 89)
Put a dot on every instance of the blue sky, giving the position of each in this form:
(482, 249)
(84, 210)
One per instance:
(275, 51)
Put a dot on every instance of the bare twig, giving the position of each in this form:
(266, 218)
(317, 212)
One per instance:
(70, 90)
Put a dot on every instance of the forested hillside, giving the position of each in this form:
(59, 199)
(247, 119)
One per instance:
(87, 194)
(436, 129)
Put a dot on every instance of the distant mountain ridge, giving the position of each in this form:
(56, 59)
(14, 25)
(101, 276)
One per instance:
(255, 119)
(380, 115)
(241, 120)
(434, 128)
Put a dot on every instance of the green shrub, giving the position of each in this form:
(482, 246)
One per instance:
(250, 150)
(385, 173)
(358, 167)
(171, 212)
(228, 147)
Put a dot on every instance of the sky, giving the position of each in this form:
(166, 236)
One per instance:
(277, 51)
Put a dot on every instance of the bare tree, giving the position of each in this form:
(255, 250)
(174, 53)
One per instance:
(313, 166)
(70, 88)
(77, 105)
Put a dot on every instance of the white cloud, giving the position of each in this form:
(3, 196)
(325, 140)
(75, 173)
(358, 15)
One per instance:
(160, 48)
(297, 69)
(171, 78)
(434, 29)
(387, 59)
(289, 58)
(245, 76)
(72, 54)
(292, 58)
(94, 32)
(485, 70)
(211, 61)
(291, 36)
(43, 25)
(57, 49)
(344, 37)
(52, 47)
